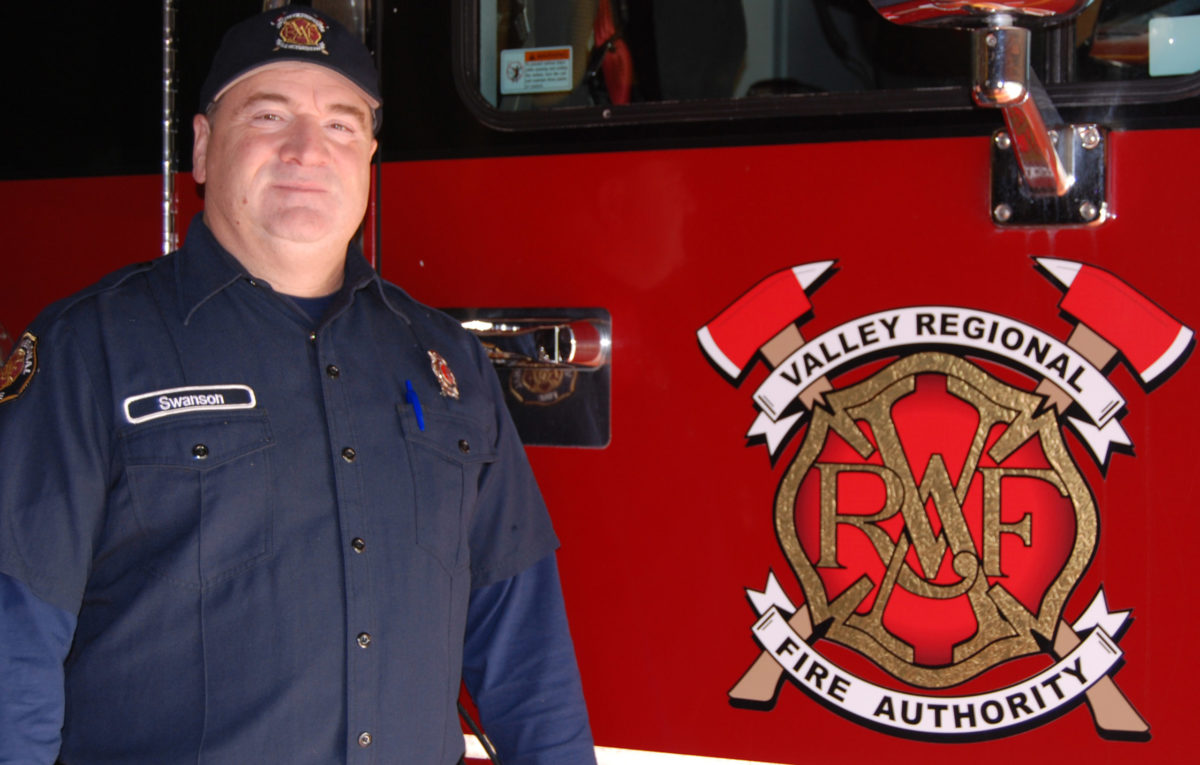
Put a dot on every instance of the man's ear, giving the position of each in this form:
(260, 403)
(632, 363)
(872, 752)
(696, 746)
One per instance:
(202, 129)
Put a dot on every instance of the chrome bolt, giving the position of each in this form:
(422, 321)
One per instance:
(1053, 136)
(991, 40)
(1002, 213)
(1088, 211)
(1090, 136)
(1003, 141)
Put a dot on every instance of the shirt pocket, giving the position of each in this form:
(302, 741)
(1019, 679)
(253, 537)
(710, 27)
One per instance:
(201, 487)
(447, 459)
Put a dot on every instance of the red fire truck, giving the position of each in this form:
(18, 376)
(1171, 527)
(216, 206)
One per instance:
(850, 340)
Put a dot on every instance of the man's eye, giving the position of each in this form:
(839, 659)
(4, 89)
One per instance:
(341, 126)
(268, 117)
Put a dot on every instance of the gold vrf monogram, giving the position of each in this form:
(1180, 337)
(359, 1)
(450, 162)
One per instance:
(914, 554)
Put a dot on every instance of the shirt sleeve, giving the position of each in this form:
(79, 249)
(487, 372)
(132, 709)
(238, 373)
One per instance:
(519, 666)
(54, 453)
(511, 528)
(34, 639)
(55, 468)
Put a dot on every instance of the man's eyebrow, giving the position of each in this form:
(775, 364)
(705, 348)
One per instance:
(349, 110)
(258, 97)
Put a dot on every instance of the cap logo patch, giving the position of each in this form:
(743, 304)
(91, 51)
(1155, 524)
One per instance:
(18, 370)
(207, 398)
(300, 31)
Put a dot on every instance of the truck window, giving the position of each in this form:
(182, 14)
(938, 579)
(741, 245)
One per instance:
(566, 57)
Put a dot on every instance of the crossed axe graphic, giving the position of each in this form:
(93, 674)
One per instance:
(1111, 317)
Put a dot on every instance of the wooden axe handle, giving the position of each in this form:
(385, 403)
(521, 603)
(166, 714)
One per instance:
(1098, 351)
(760, 684)
(1111, 711)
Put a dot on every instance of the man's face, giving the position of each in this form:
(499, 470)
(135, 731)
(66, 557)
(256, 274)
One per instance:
(285, 157)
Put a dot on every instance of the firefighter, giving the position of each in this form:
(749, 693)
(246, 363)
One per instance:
(259, 505)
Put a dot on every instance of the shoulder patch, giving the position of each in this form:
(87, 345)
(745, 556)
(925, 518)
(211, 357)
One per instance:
(19, 369)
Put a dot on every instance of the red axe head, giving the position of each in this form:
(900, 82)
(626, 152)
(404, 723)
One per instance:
(1149, 338)
(732, 338)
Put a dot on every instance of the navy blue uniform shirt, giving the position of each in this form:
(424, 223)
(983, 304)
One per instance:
(269, 550)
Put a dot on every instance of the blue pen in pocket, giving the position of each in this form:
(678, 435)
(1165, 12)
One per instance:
(410, 396)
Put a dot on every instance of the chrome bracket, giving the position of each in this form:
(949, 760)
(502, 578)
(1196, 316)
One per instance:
(1041, 176)
(1081, 151)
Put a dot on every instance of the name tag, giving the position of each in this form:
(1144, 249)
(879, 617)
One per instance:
(161, 403)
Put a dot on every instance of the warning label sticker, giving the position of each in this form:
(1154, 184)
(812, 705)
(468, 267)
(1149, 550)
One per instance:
(535, 70)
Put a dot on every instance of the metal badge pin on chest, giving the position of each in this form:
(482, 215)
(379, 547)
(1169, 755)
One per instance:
(445, 378)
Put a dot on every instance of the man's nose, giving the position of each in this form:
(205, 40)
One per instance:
(305, 143)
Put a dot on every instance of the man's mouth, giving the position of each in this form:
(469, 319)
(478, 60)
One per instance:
(300, 187)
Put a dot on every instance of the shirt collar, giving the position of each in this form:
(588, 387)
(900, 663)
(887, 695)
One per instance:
(359, 275)
(204, 268)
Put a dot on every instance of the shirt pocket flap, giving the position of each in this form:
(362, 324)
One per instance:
(455, 439)
(197, 441)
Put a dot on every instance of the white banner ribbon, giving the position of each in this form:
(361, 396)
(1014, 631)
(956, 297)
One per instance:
(981, 715)
(927, 327)
(1020, 705)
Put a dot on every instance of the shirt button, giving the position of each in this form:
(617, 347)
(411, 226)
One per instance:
(349, 454)
(358, 544)
(364, 739)
(464, 446)
(364, 639)
(333, 371)
(312, 337)
(200, 451)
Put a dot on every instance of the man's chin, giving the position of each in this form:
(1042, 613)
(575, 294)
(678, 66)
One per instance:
(302, 226)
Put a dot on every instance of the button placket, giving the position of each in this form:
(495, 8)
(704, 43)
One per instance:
(337, 389)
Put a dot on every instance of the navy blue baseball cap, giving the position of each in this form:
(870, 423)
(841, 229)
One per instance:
(291, 33)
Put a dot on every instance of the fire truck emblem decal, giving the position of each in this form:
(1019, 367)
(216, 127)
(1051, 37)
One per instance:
(932, 514)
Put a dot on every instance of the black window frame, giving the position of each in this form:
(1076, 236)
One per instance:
(1085, 101)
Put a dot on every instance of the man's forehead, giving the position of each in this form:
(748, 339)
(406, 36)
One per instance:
(292, 78)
